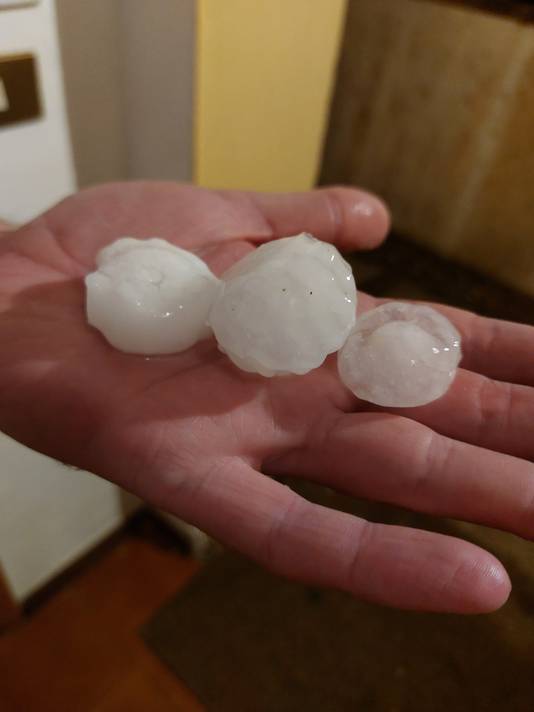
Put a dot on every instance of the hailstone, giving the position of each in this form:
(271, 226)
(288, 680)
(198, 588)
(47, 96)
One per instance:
(284, 307)
(400, 355)
(150, 297)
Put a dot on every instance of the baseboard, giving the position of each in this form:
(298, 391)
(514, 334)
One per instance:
(199, 542)
(9, 609)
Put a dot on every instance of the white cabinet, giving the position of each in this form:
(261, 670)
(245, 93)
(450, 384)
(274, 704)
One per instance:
(49, 515)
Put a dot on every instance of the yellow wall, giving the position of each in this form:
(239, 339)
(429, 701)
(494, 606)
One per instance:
(265, 70)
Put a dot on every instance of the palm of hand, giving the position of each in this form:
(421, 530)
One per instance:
(190, 433)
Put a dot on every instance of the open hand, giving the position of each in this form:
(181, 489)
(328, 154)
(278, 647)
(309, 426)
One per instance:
(193, 435)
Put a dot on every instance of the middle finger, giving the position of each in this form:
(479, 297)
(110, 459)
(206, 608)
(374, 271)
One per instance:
(478, 410)
(395, 460)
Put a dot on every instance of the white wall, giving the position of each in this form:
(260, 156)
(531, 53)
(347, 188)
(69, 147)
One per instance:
(157, 40)
(36, 166)
(49, 515)
(128, 68)
(90, 42)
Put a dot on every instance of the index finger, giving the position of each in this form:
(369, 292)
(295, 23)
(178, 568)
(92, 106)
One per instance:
(502, 350)
(348, 217)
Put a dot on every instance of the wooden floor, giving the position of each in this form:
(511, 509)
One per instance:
(80, 650)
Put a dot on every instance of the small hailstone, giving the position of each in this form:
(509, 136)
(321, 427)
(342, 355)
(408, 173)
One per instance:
(284, 307)
(400, 355)
(150, 297)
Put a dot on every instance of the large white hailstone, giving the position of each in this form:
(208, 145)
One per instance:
(284, 307)
(400, 355)
(150, 297)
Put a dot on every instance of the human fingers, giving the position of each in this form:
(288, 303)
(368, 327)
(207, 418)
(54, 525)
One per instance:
(499, 349)
(392, 459)
(221, 256)
(5, 226)
(348, 217)
(392, 565)
(479, 410)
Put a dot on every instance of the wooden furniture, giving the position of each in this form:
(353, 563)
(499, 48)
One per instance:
(434, 110)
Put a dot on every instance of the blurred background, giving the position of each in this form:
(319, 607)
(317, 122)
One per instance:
(106, 606)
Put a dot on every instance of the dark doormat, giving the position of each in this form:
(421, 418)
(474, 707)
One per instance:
(244, 640)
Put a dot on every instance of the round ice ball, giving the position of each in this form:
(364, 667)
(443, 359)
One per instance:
(284, 307)
(150, 297)
(400, 355)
